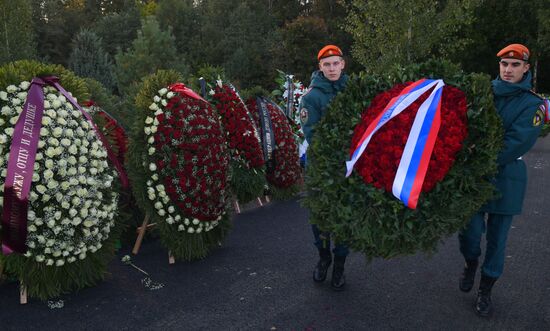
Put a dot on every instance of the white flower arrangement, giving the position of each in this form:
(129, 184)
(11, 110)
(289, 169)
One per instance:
(155, 189)
(71, 205)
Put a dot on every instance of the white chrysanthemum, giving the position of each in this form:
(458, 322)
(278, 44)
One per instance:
(60, 217)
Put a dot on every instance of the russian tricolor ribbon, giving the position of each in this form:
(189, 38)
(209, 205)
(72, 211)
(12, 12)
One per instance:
(418, 149)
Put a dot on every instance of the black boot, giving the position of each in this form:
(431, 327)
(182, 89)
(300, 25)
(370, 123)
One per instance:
(338, 279)
(320, 272)
(483, 302)
(468, 276)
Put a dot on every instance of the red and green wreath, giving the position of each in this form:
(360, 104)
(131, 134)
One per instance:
(178, 164)
(243, 139)
(361, 209)
(286, 172)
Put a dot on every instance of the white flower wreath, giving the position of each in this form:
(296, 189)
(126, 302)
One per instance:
(71, 203)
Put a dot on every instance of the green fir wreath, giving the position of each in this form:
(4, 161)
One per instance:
(369, 218)
(177, 163)
(73, 199)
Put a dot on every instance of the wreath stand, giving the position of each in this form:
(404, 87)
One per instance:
(23, 297)
(22, 293)
(141, 233)
(258, 199)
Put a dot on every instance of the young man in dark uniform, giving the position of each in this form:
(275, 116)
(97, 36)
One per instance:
(522, 114)
(325, 84)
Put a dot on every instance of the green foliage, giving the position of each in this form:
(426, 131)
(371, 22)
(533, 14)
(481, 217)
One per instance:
(248, 39)
(186, 22)
(43, 281)
(56, 22)
(371, 220)
(391, 32)
(88, 59)
(117, 30)
(296, 56)
(253, 92)
(210, 74)
(181, 244)
(16, 33)
(279, 193)
(246, 184)
(146, 7)
(152, 50)
(102, 97)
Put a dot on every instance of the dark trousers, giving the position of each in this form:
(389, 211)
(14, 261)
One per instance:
(322, 241)
(496, 229)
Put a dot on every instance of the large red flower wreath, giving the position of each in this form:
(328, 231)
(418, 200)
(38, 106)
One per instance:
(286, 171)
(242, 133)
(195, 176)
(380, 160)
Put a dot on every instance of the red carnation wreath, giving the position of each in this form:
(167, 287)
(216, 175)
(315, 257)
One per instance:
(242, 132)
(285, 174)
(195, 177)
(379, 168)
(179, 162)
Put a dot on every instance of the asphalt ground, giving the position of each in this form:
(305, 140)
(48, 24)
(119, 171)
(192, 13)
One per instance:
(260, 279)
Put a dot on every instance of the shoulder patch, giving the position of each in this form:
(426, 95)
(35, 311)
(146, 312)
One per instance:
(304, 115)
(539, 117)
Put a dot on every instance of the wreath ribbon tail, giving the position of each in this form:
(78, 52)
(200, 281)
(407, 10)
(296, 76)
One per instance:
(54, 81)
(20, 169)
(416, 156)
(396, 105)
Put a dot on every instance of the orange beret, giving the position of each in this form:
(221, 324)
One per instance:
(514, 51)
(329, 50)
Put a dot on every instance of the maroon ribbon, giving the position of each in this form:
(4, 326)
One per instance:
(24, 144)
(54, 81)
(26, 136)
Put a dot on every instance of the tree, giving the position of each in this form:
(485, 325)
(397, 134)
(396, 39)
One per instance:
(467, 32)
(285, 11)
(118, 29)
(57, 21)
(88, 59)
(17, 39)
(153, 49)
(391, 32)
(248, 41)
(301, 39)
(185, 20)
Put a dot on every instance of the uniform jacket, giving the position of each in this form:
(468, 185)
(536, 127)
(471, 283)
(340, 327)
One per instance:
(314, 103)
(519, 110)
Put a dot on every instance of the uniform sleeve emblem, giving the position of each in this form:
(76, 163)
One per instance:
(303, 115)
(539, 116)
